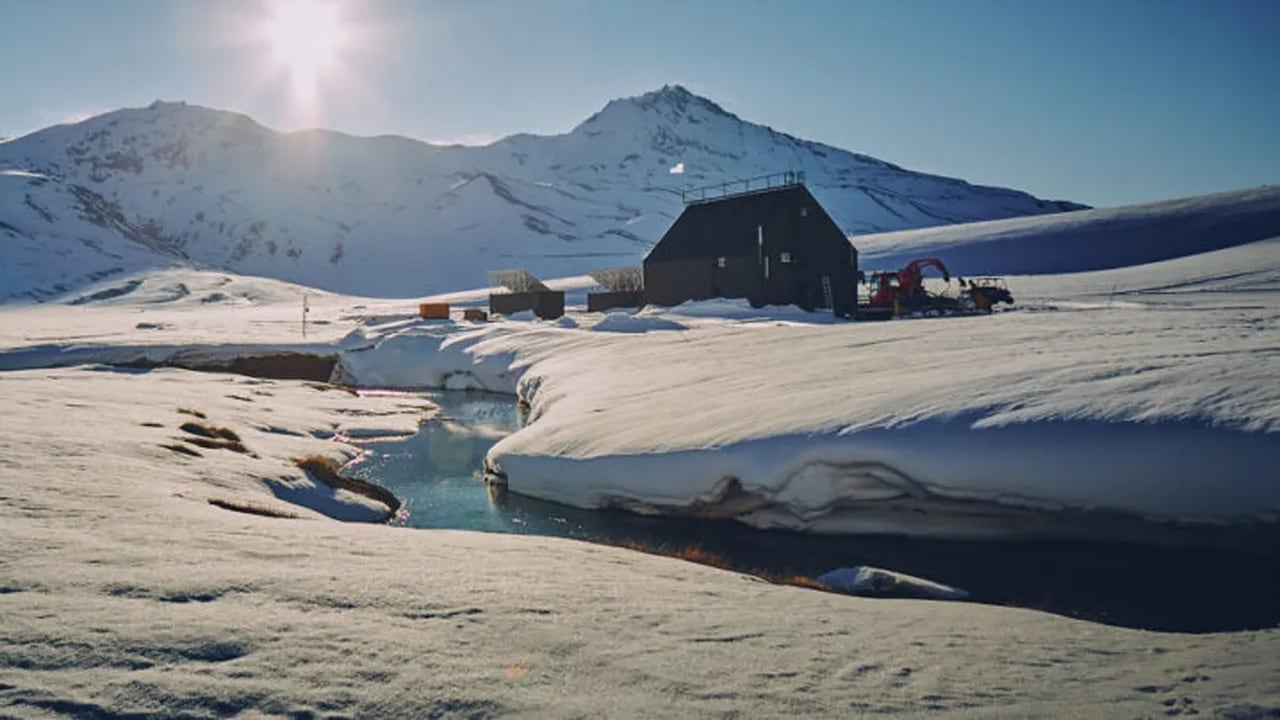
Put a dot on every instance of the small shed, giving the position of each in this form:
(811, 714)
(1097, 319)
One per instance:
(527, 294)
(765, 239)
(623, 288)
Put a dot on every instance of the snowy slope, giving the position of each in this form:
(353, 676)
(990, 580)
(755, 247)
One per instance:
(396, 217)
(1088, 239)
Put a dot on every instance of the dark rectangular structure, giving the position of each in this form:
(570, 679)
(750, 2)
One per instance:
(776, 246)
(614, 299)
(546, 304)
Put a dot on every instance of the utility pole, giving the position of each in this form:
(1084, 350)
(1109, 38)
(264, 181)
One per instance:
(306, 308)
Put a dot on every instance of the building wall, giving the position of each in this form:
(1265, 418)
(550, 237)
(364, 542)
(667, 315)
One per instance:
(675, 281)
(547, 305)
(601, 301)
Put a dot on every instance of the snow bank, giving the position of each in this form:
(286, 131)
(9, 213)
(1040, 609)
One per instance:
(424, 355)
(620, 322)
(741, 310)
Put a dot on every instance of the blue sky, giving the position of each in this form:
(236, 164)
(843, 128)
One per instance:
(1099, 102)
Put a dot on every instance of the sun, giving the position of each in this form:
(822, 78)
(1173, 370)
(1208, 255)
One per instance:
(303, 57)
(306, 39)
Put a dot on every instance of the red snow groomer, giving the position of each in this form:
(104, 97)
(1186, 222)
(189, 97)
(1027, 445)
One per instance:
(902, 292)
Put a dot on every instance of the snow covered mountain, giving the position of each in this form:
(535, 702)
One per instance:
(180, 184)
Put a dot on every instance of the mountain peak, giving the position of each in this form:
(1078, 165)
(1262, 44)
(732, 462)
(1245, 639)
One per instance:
(678, 97)
(669, 102)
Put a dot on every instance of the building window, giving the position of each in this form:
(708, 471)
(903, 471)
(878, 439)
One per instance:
(720, 262)
(784, 257)
(804, 212)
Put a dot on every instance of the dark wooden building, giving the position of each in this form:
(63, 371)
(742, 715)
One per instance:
(526, 293)
(773, 245)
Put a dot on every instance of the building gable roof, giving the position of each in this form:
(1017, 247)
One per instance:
(728, 226)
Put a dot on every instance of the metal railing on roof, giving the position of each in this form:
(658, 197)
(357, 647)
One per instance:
(746, 186)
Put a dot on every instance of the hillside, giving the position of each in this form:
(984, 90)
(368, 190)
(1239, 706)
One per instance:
(182, 184)
(1098, 239)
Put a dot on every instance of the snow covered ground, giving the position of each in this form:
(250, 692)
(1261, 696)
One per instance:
(1108, 396)
(1110, 403)
(125, 593)
(1139, 401)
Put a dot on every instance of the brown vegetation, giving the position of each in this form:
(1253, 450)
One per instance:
(183, 449)
(212, 437)
(697, 554)
(209, 431)
(325, 470)
(193, 412)
(326, 386)
(282, 366)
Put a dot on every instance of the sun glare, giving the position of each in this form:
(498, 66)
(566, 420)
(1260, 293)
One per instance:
(306, 39)
(305, 56)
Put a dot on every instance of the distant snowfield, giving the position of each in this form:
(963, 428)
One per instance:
(1140, 392)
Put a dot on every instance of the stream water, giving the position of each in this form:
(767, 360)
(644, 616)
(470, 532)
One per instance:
(1164, 588)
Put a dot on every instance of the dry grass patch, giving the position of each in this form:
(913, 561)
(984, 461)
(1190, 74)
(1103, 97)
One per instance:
(324, 387)
(218, 444)
(283, 366)
(207, 430)
(252, 508)
(690, 553)
(193, 412)
(327, 471)
(183, 450)
(698, 554)
(212, 437)
(151, 424)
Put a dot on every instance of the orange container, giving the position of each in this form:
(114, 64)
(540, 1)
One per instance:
(434, 311)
